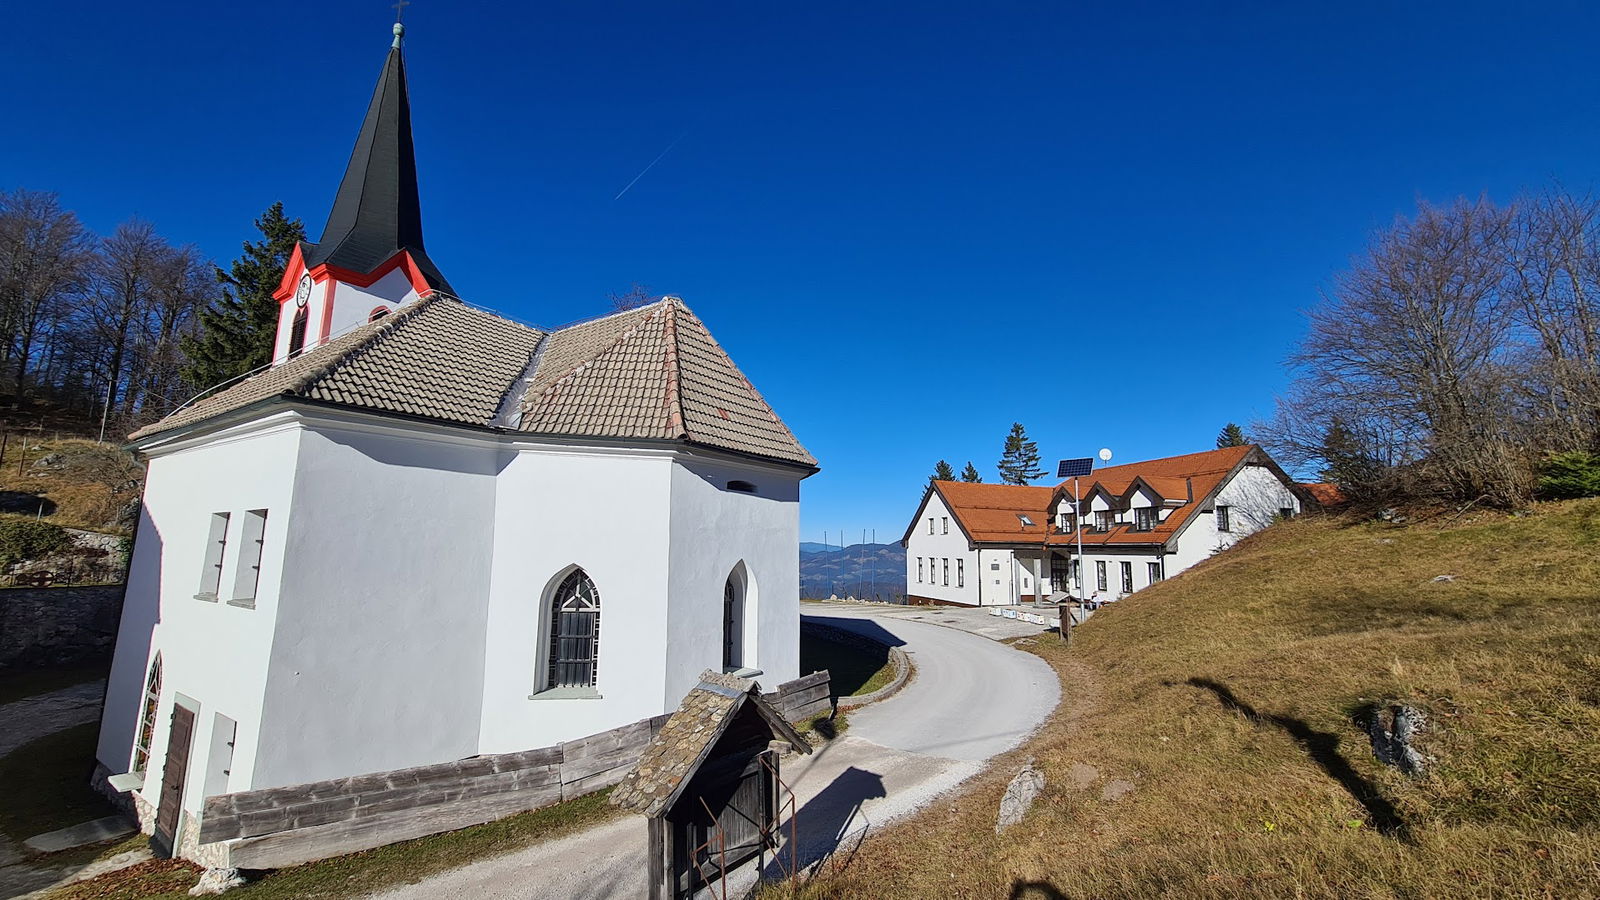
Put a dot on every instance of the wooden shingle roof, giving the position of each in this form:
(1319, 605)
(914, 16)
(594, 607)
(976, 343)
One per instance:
(688, 737)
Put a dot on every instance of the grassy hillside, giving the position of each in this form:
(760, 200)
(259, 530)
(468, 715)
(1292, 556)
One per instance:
(73, 482)
(1209, 744)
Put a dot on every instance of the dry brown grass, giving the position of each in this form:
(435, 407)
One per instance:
(1227, 698)
(85, 484)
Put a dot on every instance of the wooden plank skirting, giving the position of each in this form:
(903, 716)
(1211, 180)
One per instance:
(286, 826)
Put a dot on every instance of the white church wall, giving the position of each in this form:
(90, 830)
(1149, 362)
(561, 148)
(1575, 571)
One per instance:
(212, 651)
(606, 511)
(315, 304)
(713, 530)
(378, 658)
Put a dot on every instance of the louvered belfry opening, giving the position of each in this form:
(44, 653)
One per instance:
(575, 632)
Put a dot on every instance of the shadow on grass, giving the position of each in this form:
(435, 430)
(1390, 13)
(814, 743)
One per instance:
(1323, 748)
(1034, 890)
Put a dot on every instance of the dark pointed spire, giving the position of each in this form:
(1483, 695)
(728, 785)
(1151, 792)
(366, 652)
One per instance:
(376, 213)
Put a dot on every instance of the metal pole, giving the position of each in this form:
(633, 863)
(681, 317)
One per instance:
(1077, 521)
(106, 411)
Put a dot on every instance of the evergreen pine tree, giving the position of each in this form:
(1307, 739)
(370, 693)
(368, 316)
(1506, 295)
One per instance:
(942, 472)
(1019, 464)
(1231, 435)
(970, 475)
(237, 331)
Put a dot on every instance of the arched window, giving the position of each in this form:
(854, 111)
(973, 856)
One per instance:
(377, 313)
(574, 633)
(297, 331)
(147, 716)
(733, 622)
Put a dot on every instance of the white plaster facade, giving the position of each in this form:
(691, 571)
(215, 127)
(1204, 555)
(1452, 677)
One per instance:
(405, 572)
(1255, 496)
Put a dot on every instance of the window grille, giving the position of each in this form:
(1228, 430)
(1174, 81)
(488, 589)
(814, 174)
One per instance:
(575, 633)
(1224, 521)
(147, 717)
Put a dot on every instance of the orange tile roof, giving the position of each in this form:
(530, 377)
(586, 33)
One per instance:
(988, 512)
(1326, 493)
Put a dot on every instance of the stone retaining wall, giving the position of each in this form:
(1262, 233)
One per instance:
(58, 625)
(897, 658)
(286, 826)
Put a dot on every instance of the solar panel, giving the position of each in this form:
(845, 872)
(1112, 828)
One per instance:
(1071, 468)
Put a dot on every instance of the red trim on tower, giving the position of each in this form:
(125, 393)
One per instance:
(401, 260)
(327, 309)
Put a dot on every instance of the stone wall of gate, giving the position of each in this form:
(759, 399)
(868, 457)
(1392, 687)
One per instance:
(277, 827)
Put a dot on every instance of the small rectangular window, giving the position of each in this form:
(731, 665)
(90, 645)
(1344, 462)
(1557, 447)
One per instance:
(216, 549)
(1224, 522)
(251, 540)
(1145, 518)
(1103, 520)
(961, 573)
(1100, 573)
(919, 570)
(1155, 572)
(1127, 578)
(930, 524)
(1285, 512)
(944, 523)
(946, 568)
(994, 567)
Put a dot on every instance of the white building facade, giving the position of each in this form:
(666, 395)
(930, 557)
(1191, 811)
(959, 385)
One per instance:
(1140, 524)
(429, 533)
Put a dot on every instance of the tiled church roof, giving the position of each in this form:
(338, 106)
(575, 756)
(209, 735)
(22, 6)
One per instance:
(652, 373)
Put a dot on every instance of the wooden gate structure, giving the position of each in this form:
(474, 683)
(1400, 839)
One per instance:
(709, 784)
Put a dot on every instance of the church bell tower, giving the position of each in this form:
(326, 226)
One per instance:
(370, 259)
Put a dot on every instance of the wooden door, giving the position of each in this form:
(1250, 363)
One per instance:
(169, 811)
(742, 803)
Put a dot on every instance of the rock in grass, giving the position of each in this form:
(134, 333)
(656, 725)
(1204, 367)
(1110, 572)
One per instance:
(1020, 794)
(215, 881)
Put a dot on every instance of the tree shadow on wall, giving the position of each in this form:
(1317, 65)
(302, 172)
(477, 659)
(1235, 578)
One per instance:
(1323, 748)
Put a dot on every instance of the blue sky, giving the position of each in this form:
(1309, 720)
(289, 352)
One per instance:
(902, 220)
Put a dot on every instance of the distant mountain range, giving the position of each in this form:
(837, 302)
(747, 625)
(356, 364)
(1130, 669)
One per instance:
(866, 571)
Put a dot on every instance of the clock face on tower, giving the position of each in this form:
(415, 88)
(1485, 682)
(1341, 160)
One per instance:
(304, 293)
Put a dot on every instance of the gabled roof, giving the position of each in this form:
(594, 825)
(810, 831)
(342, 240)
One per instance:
(1326, 493)
(654, 373)
(989, 512)
(688, 737)
(377, 213)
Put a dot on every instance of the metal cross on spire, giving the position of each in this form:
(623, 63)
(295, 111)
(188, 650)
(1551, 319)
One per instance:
(399, 29)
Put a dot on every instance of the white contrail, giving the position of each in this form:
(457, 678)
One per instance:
(649, 167)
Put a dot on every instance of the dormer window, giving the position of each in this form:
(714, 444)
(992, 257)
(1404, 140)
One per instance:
(1145, 518)
(1103, 520)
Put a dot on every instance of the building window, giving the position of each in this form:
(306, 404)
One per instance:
(946, 568)
(1060, 572)
(216, 547)
(147, 716)
(297, 331)
(1026, 522)
(919, 570)
(1127, 578)
(961, 573)
(1100, 574)
(1285, 512)
(574, 633)
(994, 567)
(250, 544)
(1155, 572)
(1103, 520)
(944, 523)
(377, 313)
(732, 623)
(1224, 522)
(930, 524)
(1145, 518)
(1061, 522)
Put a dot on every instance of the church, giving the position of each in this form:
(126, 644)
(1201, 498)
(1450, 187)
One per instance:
(428, 533)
